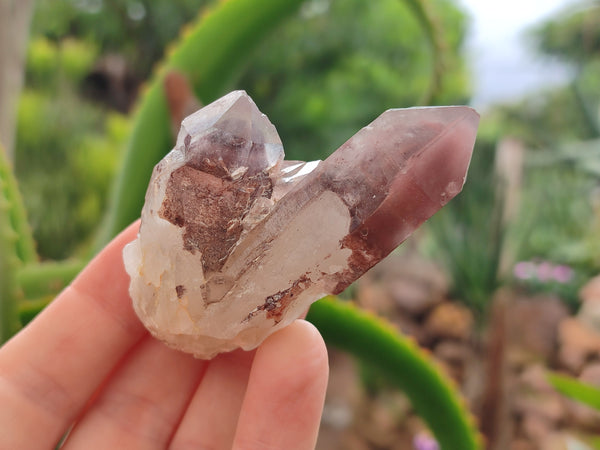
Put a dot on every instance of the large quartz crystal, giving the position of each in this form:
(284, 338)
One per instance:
(236, 243)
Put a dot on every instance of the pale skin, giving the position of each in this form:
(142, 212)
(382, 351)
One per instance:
(86, 362)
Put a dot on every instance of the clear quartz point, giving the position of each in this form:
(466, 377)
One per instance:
(236, 243)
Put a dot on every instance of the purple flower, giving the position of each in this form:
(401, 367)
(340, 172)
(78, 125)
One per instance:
(562, 273)
(524, 270)
(545, 271)
(423, 441)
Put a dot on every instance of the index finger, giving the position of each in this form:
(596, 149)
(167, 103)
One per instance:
(50, 369)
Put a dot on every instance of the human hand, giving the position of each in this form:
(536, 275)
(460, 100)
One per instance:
(86, 361)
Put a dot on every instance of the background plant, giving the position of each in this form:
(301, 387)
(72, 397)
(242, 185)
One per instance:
(557, 221)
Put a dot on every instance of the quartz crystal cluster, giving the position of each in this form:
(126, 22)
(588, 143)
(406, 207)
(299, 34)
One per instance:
(235, 243)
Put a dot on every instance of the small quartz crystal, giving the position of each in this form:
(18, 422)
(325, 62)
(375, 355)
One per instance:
(236, 243)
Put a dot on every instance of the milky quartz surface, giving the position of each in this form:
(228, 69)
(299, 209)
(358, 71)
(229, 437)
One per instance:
(236, 243)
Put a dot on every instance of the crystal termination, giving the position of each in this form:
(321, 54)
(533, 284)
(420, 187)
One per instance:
(236, 243)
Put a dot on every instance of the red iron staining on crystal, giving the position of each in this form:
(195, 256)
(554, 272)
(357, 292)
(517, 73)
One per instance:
(275, 304)
(211, 210)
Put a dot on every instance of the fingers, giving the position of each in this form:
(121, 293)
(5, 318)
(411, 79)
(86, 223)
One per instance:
(143, 402)
(50, 369)
(286, 389)
(211, 418)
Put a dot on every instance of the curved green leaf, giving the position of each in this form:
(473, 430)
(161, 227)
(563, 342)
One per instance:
(434, 32)
(47, 278)
(575, 389)
(399, 358)
(10, 250)
(15, 212)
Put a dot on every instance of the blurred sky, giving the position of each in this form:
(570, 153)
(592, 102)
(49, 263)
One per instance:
(503, 64)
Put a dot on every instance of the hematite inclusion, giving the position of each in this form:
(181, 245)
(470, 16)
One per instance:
(236, 243)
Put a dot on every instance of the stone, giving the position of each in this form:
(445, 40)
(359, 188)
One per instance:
(591, 374)
(536, 428)
(532, 328)
(449, 321)
(522, 444)
(414, 297)
(416, 284)
(590, 291)
(534, 396)
(558, 440)
(589, 313)
(578, 343)
(235, 243)
(373, 296)
(454, 353)
(583, 416)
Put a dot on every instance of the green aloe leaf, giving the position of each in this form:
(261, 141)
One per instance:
(15, 212)
(575, 389)
(9, 322)
(47, 278)
(375, 342)
(14, 248)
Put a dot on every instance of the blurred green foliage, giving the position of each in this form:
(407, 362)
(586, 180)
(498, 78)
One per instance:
(556, 215)
(557, 224)
(47, 61)
(547, 119)
(559, 218)
(68, 147)
(55, 126)
(68, 153)
(572, 36)
(543, 119)
(339, 64)
(139, 30)
(325, 74)
(558, 221)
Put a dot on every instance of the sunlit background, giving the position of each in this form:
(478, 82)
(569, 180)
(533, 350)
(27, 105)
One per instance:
(502, 57)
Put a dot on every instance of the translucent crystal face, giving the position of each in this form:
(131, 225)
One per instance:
(232, 134)
(236, 243)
